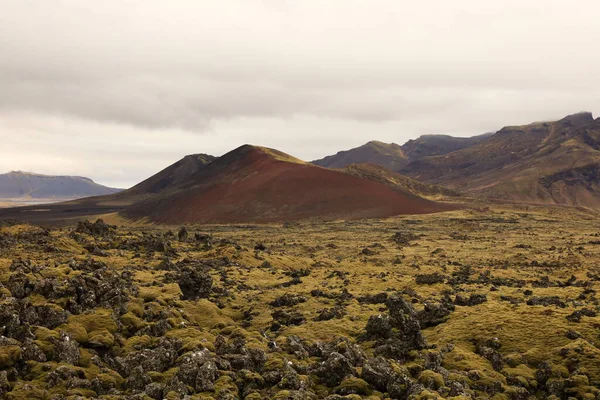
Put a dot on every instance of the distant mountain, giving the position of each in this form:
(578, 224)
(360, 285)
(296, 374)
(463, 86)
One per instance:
(548, 162)
(435, 145)
(393, 156)
(27, 185)
(388, 155)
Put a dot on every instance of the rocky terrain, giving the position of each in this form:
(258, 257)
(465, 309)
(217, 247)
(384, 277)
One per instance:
(26, 186)
(496, 303)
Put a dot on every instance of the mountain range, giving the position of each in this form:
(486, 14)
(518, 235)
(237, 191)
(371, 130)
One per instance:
(249, 184)
(17, 185)
(393, 156)
(545, 162)
(553, 162)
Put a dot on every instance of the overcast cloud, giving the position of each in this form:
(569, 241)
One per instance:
(118, 89)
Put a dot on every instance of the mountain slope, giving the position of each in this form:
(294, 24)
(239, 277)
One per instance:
(255, 184)
(435, 145)
(397, 181)
(390, 156)
(393, 156)
(172, 175)
(548, 162)
(19, 184)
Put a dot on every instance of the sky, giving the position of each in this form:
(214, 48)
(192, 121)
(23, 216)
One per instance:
(117, 90)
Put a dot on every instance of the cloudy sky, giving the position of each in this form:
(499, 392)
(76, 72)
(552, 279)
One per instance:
(118, 89)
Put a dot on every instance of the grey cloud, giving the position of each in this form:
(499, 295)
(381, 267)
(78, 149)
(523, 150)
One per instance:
(310, 77)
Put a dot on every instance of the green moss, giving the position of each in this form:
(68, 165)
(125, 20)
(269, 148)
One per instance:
(44, 338)
(161, 294)
(558, 371)
(101, 338)
(100, 319)
(193, 338)
(9, 355)
(353, 385)
(132, 322)
(431, 379)
(172, 396)
(426, 395)
(225, 385)
(579, 380)
(136, 307)
(163, 377)
(137, 342)
(76, 330)
(27, 391)
(85, 358)
(274, 364)
(523, 374)
(44, 334)
(38, 300)
(110, 377)
(85, 393)
(205, 314)
(282, 395)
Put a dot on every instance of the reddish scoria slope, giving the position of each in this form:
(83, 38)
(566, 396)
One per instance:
(255, 184)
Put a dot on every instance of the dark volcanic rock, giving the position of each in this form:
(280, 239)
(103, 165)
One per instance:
(404, 238)
(380, 373)
(194, 281)
(429, 279)
(198, 370)
(334, 369)
(182, 235)
(283, 317)
(546, 301)
(288, 300)
(399, 332)
(473, 300)
(434, 313)
(98, 228)
(66, 349)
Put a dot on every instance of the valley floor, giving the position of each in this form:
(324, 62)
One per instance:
(499, 304)
(6, 203)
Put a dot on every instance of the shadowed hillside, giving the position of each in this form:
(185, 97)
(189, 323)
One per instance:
(172, 175)
(395, 180)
